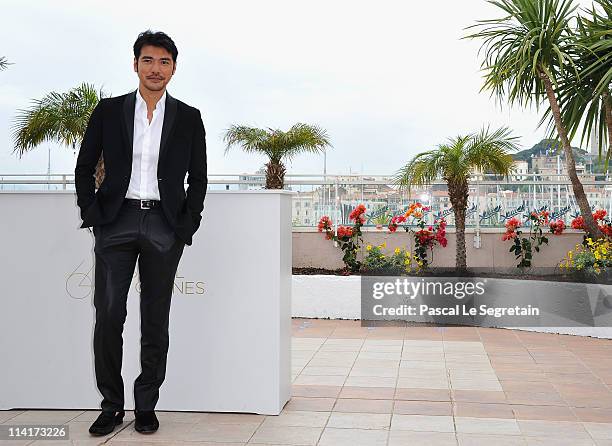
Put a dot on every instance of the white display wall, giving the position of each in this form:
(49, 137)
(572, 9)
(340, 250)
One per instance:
(230, 321)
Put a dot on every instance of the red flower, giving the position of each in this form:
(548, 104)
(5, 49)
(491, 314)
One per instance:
(512, 224)
(345, 231)
(509, 235)
(606, 229)
(357, 212)
(324, 224)
(578, 223)
(395, 221)
(599, 214)
(557, 227)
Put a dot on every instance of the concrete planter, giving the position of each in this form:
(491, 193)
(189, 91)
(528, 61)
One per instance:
(338, 297)
(310, 249)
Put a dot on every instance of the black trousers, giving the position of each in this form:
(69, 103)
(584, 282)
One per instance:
(143, 236)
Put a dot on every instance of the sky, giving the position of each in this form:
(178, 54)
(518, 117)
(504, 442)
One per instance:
(385, 79)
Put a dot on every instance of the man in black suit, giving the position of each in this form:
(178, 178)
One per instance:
(141, 213)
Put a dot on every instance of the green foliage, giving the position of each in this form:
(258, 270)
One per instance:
(276, 144)
(347, 238)
(60, 117)
(592, 258)
(381, 219)
(523, 247)
(535, 40)
(400, 262)
(531, 38)
(459, 157)
(582, 93)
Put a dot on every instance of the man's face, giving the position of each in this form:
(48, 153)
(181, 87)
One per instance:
(155, 67)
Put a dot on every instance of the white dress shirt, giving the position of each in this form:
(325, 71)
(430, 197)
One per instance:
(145, 152)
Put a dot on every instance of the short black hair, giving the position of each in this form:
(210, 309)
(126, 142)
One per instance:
(159, 39)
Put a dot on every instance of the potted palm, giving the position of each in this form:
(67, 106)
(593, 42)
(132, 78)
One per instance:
(454, 161)
(277, 145)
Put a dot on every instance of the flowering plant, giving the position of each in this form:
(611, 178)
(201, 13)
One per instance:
(557, 226)
(601, 219)
(523, 247)
(591, 257)
(400, 262)
(425, 239)
(348, 238)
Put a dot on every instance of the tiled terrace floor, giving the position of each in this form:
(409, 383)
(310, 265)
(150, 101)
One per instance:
(427, 386)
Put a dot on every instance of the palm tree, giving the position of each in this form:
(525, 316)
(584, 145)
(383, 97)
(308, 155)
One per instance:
(454, 162)
(59, 117)
(527, 52)
(585, 95)
(4, 63)
(277, 146)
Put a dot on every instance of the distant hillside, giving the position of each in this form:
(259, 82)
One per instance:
(552, 146)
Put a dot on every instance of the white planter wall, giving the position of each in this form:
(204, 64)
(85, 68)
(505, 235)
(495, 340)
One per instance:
(338, 297)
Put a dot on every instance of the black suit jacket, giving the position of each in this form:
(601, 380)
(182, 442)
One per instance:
(182, 152)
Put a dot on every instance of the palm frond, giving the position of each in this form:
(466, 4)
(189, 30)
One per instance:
(60, 117)
(532, 37)
(276, 144)
(303, 138)
(423, 169)
(581, 95)
(251, 139)
(455, 160)
(4, 63)
(489, 151)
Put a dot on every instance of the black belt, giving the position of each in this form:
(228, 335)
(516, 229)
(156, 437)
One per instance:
(142, 204)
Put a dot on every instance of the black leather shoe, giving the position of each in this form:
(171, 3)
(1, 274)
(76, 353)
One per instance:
(146, 421)
(106, 422)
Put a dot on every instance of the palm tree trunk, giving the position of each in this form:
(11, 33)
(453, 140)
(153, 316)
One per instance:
(275, 175)
(100, 171)
(607, 102)
(458, 194)
(581, 198)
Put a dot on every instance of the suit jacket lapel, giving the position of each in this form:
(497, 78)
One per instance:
(129, 104)
(168, 125)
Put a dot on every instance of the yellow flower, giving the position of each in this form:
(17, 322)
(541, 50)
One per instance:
(369, 247)
(397, 250)
(384, 245)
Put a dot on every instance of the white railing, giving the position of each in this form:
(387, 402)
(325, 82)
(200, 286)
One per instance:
(492, 199)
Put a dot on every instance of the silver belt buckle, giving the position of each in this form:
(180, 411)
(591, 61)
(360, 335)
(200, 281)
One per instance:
(144, 204)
